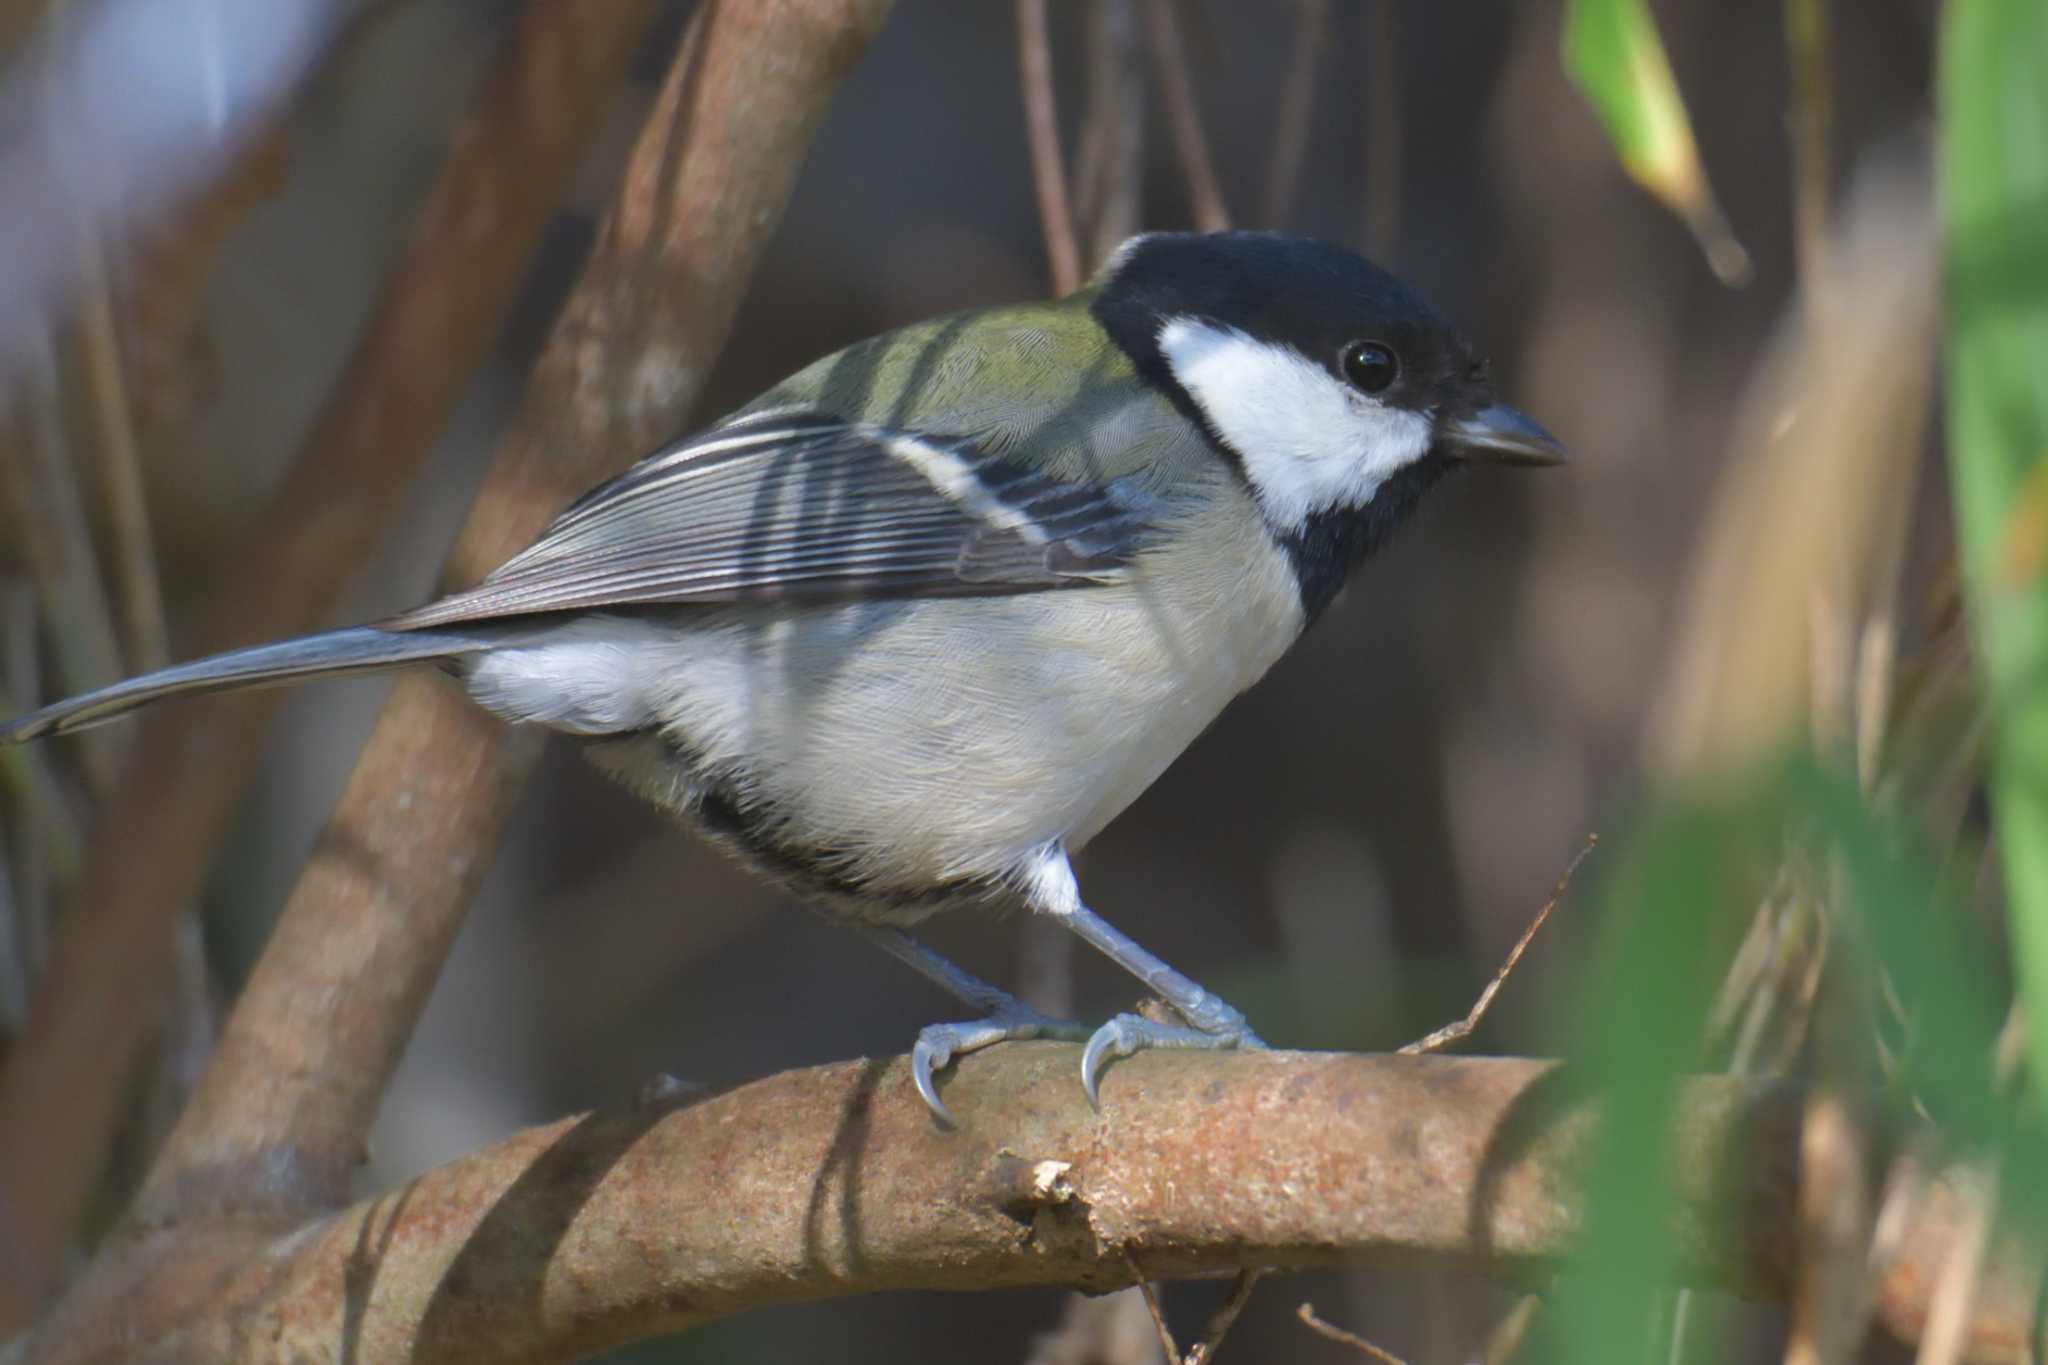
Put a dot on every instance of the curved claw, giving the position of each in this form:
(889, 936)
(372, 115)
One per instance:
(1129, 1034)
(938, 1044)
(1106, 1043)
(927, 1056)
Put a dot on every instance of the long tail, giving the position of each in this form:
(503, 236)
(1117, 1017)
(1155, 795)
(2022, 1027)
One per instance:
(360, 649)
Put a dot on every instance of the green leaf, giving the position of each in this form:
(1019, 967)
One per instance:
(1613, 54)
(1670, 915)
(1994, 201)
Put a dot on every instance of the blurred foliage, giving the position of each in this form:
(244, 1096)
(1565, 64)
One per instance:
(1877, 864)
(1612, 51)
(1669, 932)
(1994, 193)
(1675, 904)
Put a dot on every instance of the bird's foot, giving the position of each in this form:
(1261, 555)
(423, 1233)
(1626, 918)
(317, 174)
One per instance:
(938, 1044)
(1215, 1027)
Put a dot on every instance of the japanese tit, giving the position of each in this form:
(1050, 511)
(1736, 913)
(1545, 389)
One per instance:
(908, 630)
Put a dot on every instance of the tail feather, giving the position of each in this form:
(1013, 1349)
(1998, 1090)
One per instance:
(360, 649)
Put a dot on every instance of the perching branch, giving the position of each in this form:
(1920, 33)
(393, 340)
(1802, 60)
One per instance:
(62, 1092)
(604, 1229)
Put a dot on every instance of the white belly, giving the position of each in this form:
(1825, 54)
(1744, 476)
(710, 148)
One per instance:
(929, 740)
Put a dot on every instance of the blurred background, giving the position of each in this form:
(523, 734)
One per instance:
(1351, 850)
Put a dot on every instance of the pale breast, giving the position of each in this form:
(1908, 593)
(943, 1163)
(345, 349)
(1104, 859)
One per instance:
(934, 740)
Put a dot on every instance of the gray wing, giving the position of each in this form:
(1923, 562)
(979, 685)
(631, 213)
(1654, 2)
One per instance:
(798, 506)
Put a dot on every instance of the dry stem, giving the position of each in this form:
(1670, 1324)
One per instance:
(1225, 1317)
(1110, 179)
(1177, 89)
(304, 1059)
(63, 1089)
(1460, 1029)
(1331, 1331)
(1048, 167)
(46, 516)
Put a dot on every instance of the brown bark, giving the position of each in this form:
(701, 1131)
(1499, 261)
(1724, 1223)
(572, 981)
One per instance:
(281, 1116)
(63, 1088)
(603, 1229)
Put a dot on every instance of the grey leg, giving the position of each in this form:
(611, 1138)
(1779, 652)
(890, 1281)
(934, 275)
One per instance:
(1214, 1024)
(1005, 1016)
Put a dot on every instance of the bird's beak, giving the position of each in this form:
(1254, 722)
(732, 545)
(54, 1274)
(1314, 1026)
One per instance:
(1501, 434)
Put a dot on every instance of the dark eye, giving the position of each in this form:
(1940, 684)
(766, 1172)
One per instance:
(1370, 365)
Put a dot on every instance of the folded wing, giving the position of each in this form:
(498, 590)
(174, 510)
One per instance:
(794, 506)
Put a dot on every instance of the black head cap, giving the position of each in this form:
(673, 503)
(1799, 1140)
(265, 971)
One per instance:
(1307, 294)
(1339, 311)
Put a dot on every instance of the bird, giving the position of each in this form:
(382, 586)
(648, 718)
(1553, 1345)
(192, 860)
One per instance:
(908, 630)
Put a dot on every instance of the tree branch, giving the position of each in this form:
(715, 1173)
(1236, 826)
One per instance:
(63, 1089)
(604, 1229)
(282, 1115)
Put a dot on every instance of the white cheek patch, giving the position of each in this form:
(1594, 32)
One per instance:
(1309, 441)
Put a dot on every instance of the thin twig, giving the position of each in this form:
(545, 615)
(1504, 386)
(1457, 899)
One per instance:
(1307, 1314)
(1293, 121)
(1184, 117)
(1042, 129)
(138, 595)
(1151, 1297)
(41, 491)
(1109, 180)
(1225, 1317)
(1460, 1029)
